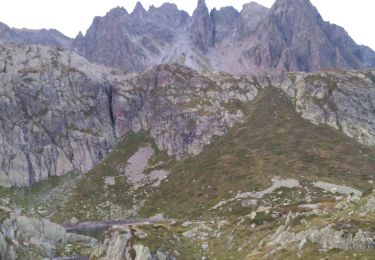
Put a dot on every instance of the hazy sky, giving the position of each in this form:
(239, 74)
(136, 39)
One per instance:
(71, 16)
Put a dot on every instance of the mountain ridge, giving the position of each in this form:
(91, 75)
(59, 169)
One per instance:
(256, 39)
(289, 36)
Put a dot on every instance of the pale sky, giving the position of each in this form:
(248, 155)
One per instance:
(72, 16)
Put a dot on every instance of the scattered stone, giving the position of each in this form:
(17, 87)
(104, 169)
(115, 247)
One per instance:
(333, 188)
(205, 246)
(253, 215)
(110, 181)
(370, 205)
(249, 203)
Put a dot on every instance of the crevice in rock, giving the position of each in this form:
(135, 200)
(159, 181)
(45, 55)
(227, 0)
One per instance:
(109, 93)
(30, 169)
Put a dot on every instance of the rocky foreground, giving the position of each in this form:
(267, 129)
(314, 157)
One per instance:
(340, 226)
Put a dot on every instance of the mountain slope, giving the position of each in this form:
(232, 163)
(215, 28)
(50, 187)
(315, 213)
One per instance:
(273, 140)
(294, 37)
(60, 113)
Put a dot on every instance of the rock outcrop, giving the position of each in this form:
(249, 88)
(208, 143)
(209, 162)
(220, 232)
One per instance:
(327, 237)
(340, 99)
(54, 112)
(32, 238)
(59, 113)
(120, 245)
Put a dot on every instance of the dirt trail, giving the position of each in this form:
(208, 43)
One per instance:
(109, 223)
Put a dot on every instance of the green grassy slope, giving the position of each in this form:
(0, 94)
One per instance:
(273, 141)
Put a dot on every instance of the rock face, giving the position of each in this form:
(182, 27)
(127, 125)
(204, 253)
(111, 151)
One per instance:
(294, 37)
(291, 36)
(327, 237)
(55, 114)
(343, 100)
(45, 37)
(202, 29)
(22, 237)
(59, 113)
(120, 245)
(132, 41)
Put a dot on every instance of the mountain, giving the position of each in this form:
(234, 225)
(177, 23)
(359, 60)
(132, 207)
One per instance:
(294, 37)
(291, 36)
(132, 41)
(60, 113)
(174, 162)
(237, 135)
(44, 37)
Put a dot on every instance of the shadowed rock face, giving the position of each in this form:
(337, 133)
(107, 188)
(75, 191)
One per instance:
(131, 41)
(291, 36)
(294, 37)
(201, 29)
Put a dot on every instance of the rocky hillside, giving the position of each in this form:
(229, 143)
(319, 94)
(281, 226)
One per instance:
(291, 36)
(59, 113)
(268, 189)
(149, 138)
(44, 37)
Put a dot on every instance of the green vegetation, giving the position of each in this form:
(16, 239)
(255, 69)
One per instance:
(273, 141)
(37, 195)
(92, 199)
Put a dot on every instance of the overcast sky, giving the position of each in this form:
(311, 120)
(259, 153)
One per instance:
(72, 16)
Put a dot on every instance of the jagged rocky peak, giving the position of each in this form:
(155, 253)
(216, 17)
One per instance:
(202, 28)
(294, 37)
(118, 12)
(301, 5)
(290, 36)
(296, 13)
(139, 10)
(169, 15)
(226, 21)
(252, 14)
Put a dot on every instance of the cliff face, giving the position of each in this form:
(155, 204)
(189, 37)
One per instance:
(60, 113)
(341, 99)
(131, 41)
(291, 36)
(294, 37)
(202, 29)
(55, 114)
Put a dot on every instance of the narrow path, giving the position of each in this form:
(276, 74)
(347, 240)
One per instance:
(109, 223)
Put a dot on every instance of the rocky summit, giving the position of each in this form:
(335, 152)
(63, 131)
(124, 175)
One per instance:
(158, 135)
(290, 36)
